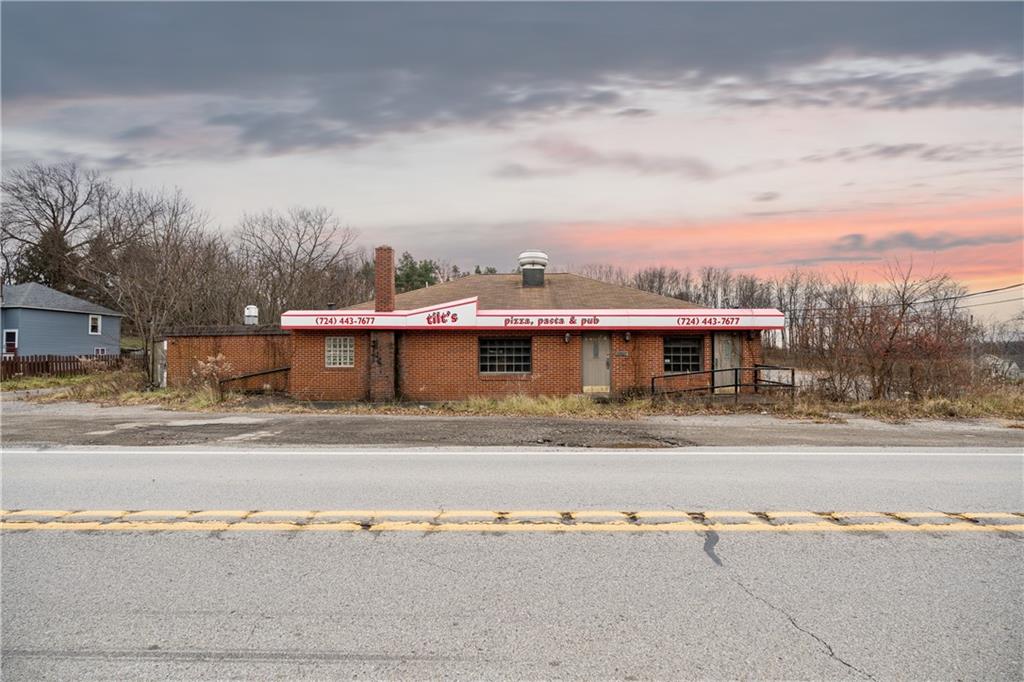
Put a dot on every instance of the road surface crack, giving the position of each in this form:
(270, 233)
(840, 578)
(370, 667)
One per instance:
(827, 647)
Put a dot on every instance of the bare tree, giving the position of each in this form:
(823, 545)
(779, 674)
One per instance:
(50, 215)
(153, 276)
(295, 259)
(657, 280)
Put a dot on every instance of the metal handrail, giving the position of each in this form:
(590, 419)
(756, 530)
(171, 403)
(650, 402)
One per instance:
(757, 384)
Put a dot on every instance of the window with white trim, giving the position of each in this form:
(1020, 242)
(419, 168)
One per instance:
(95, 325)
(99, 351)
(340, 351)
(10, 341)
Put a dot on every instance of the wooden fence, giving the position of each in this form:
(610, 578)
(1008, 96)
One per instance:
(64, 365)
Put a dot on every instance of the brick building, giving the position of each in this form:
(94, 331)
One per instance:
(533, 333)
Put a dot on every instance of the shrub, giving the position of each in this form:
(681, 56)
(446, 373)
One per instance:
(210, 372)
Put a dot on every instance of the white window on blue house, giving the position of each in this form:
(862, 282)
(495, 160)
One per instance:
(10, 341)
(340, 351)
(95, 325)
(99, 351)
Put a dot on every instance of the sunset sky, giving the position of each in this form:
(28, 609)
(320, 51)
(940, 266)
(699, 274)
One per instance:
(756, 136)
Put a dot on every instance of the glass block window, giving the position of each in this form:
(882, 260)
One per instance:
(502, 356)
(683, 353)
(340, 351)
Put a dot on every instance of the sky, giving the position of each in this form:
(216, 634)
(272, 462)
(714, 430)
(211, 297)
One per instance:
(757, 136)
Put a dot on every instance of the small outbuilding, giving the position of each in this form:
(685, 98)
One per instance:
(532, 333)
(38, 320)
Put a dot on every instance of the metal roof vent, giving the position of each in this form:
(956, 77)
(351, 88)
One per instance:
(252, 314)
(533, 263)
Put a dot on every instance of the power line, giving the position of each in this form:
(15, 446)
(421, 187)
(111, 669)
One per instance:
(914, 303)
(992, 291)
(1005, 300)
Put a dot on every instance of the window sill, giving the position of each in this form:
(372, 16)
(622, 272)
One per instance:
(511, 376)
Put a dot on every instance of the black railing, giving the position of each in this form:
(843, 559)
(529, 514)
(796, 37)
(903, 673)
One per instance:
(758, 381)
(250, 375)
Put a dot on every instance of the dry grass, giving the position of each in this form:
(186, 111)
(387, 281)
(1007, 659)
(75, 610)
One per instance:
(100, 387)
(1006, 402)
(33, 383)
(129, 388)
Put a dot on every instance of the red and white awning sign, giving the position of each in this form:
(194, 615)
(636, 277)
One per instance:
(464, 315)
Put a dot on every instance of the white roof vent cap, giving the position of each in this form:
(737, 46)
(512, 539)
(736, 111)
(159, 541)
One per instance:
(533, 259)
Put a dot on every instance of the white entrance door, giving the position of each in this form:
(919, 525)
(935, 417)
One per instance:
(727, 356)
(597, 363)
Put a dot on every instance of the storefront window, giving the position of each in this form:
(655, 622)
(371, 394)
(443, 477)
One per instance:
(503, 356)
(683, 353)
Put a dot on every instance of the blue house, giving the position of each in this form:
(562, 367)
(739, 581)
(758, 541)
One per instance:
(38, 320)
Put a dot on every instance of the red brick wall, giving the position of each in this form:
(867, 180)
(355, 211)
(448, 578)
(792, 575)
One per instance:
(752, 354)
(645, 359)
(433, 366)
(384, 279)
(445, 366)
(249, 353)
(310, 379)
(382, 366)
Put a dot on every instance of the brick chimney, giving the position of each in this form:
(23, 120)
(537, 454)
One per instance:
(384, 279)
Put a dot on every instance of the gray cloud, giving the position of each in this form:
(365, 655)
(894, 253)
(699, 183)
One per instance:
(635, 112)
(978, 88)
(576, 155)
(283, 132)
(940, 241)
(144, 132)
(518, 171)
(766, 196)
(369, 69)
(944, 153)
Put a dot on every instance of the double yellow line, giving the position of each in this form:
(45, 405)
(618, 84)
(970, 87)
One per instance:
(519, 521)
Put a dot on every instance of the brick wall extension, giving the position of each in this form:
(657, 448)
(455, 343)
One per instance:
(246, 353)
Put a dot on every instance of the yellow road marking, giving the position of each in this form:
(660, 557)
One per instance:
(34, 512)
(990, 515)
(142, 515)
(510, 521)
(489, 527)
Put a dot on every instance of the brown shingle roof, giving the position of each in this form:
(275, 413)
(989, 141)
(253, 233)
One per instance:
(560, 291)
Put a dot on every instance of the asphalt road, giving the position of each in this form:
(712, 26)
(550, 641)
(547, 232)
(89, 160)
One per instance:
(626, 605)
(65, 423)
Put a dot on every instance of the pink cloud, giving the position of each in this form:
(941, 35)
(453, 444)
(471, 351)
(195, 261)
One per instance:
(977, 241)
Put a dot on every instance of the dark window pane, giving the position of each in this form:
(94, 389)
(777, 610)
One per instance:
(683, 353)
(505, 355)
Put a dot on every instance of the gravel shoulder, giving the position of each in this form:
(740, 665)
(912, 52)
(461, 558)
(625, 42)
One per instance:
(67, 423)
